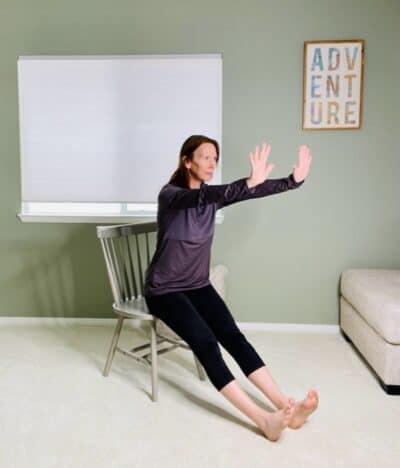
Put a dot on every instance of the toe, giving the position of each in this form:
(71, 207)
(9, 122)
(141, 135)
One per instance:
(315, 397)
(312, 395)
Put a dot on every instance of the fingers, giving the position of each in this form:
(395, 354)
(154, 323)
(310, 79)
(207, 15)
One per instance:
(251, 158)
(258, 158)
(304, 153)
(265, 151)
(263, 154)
(254, 157)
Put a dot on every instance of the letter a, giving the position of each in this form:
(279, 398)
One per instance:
(317, 59)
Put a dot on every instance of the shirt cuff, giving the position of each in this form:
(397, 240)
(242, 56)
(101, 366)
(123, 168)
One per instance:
(247, 188)
(297, 184)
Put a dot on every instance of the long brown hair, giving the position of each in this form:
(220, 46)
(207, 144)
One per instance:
(181, 177)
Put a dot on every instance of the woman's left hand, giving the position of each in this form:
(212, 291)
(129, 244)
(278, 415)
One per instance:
(300, 170)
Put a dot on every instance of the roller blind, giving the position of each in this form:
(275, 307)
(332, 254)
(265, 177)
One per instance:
(108, 129)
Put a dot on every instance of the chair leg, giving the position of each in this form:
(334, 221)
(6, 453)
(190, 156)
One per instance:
(154, 362)
(113, 346)
(199, 367)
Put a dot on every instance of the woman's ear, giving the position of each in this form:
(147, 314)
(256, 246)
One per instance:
(186, 162)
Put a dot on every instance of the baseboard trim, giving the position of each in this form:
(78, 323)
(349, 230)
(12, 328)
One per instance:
(69, 321)
(290, 327)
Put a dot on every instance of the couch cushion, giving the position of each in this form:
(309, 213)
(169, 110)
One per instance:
(375, 294)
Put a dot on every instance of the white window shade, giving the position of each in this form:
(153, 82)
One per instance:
(98, 130)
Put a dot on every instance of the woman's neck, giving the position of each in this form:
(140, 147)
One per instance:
(194, 183)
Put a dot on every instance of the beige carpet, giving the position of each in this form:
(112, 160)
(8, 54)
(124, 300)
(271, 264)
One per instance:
(57, 410)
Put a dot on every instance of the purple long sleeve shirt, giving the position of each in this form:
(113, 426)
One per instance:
(186, 220)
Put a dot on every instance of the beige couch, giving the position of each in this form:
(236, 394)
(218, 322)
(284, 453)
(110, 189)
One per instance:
(370, 319)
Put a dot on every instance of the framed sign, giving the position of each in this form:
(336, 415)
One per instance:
(333, 84)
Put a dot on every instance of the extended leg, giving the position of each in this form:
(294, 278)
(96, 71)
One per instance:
(217, 315)
(176, 310)
(215, 312)
(179, 314)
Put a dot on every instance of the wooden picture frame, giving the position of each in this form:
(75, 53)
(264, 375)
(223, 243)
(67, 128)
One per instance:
(333, 77)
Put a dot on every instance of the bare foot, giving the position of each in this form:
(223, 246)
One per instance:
(303, 409)
(274, 423)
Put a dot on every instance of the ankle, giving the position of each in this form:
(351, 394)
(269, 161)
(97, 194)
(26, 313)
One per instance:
(261, 417)
(282, 403)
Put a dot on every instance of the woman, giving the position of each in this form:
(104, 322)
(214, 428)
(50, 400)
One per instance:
(177, 285)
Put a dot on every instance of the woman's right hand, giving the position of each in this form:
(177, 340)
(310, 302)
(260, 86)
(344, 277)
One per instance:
(260, 170)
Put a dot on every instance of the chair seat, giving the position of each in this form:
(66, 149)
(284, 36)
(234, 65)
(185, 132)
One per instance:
(135, 308)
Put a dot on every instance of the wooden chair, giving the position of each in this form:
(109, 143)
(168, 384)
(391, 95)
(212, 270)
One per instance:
(126, 249)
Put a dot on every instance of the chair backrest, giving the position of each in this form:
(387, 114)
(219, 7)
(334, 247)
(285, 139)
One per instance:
(127, 250)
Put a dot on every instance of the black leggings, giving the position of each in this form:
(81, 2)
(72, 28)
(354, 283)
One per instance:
(201, 318)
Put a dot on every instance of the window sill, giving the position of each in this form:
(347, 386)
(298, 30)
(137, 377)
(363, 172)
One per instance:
(93, 218)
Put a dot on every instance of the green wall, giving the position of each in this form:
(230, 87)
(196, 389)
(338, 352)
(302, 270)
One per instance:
(285, 253)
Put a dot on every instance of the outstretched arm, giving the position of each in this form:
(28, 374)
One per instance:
(173, 197)
(258, 183)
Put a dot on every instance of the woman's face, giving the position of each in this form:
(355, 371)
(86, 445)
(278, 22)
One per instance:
(203, 163)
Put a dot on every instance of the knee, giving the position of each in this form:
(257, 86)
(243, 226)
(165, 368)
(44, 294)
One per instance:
(206, 347)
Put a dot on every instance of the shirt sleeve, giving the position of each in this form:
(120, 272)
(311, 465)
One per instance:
(266, 188)
(174, 197)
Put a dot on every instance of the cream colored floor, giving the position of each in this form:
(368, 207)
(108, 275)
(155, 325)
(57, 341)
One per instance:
(57, 410)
